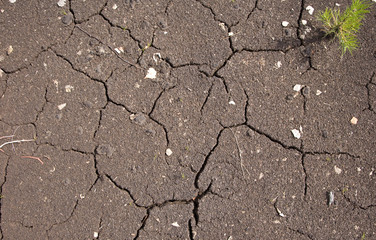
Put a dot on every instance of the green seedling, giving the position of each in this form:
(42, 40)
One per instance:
(346, 25)
(146, 47)
(363, 236)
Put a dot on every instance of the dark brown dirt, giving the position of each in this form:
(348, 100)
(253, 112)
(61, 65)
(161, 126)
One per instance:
(205, 149)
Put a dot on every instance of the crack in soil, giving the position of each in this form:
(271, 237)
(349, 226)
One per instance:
(1, 194)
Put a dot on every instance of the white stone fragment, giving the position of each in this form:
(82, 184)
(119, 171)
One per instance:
(69, 88)
(318, 92)
(151, 73)
(354, 120)
(358, 169)
(115, 6)
(12, 1)
(61, 106)
(296, 133)
(337, 4)
(337, 170)
(261, 176)
(96, 235)
(230, 34)
(231, 102)
(285, 23)
(175, 224)
(61, 3)
(297, 87)
(168, 152)
(1, 73)
(278, 64)
(10, 50)
(310, 9)
(117, 50)
(304, 22)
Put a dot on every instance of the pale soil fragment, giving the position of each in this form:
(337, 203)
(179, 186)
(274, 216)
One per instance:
(285, 23)
(61, 3)
(175, 224)
(151, 74)
(12, 1)
(297, 87)
(10, 50)
(61, 106)
(168, 152)
(304, 22)
(354, 120)
(337, 170)
(310, 9)
(296, 133)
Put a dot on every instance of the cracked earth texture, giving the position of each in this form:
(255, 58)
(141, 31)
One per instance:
(202, 151)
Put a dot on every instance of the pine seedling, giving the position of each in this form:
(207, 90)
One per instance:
(346, 25)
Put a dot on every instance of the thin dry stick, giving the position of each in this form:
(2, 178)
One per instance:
(14, 134)
(240, 154)
(134, 65)
(16, 141)
(37, 158)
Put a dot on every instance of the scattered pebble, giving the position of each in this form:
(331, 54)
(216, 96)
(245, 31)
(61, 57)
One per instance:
(231, 102)
(12, 1)
(105, 149)
(296, 133)
(10, 50)
(61, 3)
(138, 118)
(310, 10)
(285, 23)
(318, 92)
(306, 91)
(119, 50)
(230, 34)
(168, 152)
(324, 134)
(278, 64)
(337, 4)
(297, 87)
(151, 73)
(354, 120)
(175, 224)
(304, 22)
(61, 106)
(67, 19)
(96, 234)
(337, 170)
(330, 198)
(114, 6)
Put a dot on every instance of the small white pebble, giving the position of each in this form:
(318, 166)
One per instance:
(297, 87)
(61, 106)
(261, 176)
(354, 120)
(358, 169)
(117, 50)
(304, 22)
(168, 152)
(296, 133)
(61, 3)
(114, 6)
(231, 102)
(285, 23)
(151, 73)
(96, 235)
(337, 4)
(230, 34)
(278, 64)
(310, 10)
(337, 170)
(175, 224)
(318, 92)
(10, 50)
(69, 88)
(12, 1)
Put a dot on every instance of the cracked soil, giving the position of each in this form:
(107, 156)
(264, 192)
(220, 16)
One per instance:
(173, 119)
